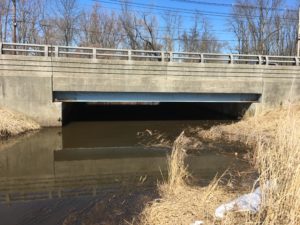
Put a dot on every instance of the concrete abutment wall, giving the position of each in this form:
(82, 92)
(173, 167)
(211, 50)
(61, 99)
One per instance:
(28, 89)
(32, 96)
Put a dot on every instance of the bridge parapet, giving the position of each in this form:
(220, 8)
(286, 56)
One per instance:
(144, 55)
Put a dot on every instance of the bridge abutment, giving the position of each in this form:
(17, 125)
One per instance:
(279, 90)
(30, 94)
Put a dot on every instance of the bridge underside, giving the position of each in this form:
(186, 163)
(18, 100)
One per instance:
(62, 96)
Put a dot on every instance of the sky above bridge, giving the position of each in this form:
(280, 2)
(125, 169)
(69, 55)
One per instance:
(216, 12)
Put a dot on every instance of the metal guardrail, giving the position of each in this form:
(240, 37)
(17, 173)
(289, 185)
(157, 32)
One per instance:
(143, 55)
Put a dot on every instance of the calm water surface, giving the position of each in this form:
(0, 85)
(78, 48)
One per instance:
(91, 172)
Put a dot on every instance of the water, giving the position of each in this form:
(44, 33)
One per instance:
(92, 171)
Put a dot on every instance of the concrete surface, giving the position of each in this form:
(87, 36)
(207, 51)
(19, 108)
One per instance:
(27, 83)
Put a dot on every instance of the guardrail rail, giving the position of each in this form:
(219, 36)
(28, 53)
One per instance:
(144, 55)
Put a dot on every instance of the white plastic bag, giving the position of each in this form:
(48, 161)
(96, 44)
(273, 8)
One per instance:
(246, 203)
(198, 222)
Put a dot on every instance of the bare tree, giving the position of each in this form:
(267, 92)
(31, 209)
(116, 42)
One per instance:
(100, 29)
(129, 29)
(200, 39)
(130, 26)
(172, 31)
(67, 20)
(29, 14)
(239, 28)
(90, 27)
(50, 34)
(4, 19)
(286, 37)
(149, 32)
(261, 28)
(2, 9)
(258, 25)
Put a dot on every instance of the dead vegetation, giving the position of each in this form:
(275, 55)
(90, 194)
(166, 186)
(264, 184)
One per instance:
(181, 203)
(278, 162)
(13, 123)
(250, 130)
(154, 138)
(275, 137)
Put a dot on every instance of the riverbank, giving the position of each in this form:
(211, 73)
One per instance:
(262, 127)
(13, 124)
(273, 138)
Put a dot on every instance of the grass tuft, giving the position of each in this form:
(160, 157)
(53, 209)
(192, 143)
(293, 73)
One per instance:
(181, 203)
(13, 123)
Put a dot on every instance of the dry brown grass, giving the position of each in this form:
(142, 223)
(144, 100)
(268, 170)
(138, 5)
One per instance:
(278, 161)
(181, 203)
(251, 129)
(13, 123)
(275, 137)
(154, 138)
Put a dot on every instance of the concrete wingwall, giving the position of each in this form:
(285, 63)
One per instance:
(281, 89)
(28, 89)
(27, 83)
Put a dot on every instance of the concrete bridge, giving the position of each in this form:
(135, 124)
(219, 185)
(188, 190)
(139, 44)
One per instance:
(38, 79)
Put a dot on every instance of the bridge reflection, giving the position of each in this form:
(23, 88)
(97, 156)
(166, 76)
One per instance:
(40, 168)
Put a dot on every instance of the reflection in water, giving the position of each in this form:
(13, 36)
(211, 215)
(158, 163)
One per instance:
(121, 133)
(46, 176)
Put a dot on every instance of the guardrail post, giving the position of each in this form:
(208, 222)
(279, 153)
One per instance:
(231, 59)
(46, 50)
(171, 56)
(201, 58)
(297, 61)
(259, 60)
(94, 53)
(267, 60)
(162, 53)
(129, 55)
(56, 51)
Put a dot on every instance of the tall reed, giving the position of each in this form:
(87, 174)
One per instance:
(275, 138)
(180, 203)
(278, 162)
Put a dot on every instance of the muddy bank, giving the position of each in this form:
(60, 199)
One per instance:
(13, 124)
(247, 133)
(113, 208)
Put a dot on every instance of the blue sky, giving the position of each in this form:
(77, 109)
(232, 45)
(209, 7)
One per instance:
(218, 24)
